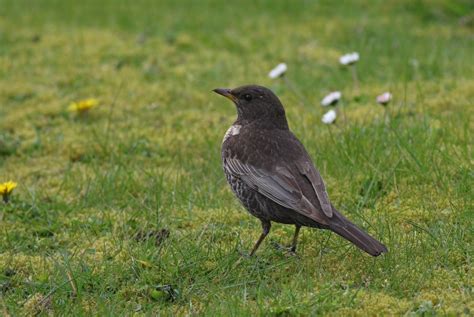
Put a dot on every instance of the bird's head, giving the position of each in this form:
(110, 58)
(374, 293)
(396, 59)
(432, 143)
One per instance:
(256, 104)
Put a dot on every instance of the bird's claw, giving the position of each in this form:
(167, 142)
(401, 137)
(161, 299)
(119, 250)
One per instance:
(245, 254)
(288, 250)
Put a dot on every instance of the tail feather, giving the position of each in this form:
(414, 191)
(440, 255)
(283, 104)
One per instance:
(361, 239)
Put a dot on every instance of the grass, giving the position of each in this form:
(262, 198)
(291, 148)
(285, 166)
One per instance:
(86, 231)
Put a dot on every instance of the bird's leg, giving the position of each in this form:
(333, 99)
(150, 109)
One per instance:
(295, 239)
(266, 225)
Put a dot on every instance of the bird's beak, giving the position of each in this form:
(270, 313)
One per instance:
(226, 93)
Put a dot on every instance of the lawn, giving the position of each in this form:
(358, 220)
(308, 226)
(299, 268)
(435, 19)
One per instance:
(125, 209)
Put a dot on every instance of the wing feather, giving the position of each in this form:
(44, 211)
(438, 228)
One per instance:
(278, 185)
(307, 169)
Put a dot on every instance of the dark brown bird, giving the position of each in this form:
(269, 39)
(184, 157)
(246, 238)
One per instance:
(273, 176)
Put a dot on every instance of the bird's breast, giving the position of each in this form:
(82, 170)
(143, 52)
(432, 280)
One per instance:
(233, 130)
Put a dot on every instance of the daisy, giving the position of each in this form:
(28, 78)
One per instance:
(349, 59)
(329, 117)
(331, 99)
(278, 71)
(384, 98)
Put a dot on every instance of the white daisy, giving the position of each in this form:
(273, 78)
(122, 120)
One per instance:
(331, 99)
(349, 59)
(384, 98)
(329, 117)
(278, 71)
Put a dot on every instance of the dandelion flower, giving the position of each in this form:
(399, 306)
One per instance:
(278, 71)
(329, 117)
(384, 98)
(83, 106)
(349, 59)
(6, 189)
(331, 99)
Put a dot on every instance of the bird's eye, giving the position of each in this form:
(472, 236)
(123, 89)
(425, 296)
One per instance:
(248, 97)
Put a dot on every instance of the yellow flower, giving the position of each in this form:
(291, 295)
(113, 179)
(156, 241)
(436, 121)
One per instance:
(7, 188)
(83, 106)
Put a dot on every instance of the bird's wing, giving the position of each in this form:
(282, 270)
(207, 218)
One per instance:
(278, 185)
(307, 169)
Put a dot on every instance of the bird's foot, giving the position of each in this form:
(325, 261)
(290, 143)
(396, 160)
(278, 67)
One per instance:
(245, 254)
(288, 250)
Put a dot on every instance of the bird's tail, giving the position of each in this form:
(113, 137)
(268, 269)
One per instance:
(361, 239)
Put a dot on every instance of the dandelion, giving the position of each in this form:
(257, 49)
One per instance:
(83, 106)
(278, 71)
(331, 99)
(349, 59)
(329, 117)
(384, 98)
(6, 189)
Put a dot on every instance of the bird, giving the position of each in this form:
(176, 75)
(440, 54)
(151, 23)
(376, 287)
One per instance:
(272, 174)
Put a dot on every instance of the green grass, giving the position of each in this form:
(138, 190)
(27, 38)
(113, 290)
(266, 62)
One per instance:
(73, 238)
